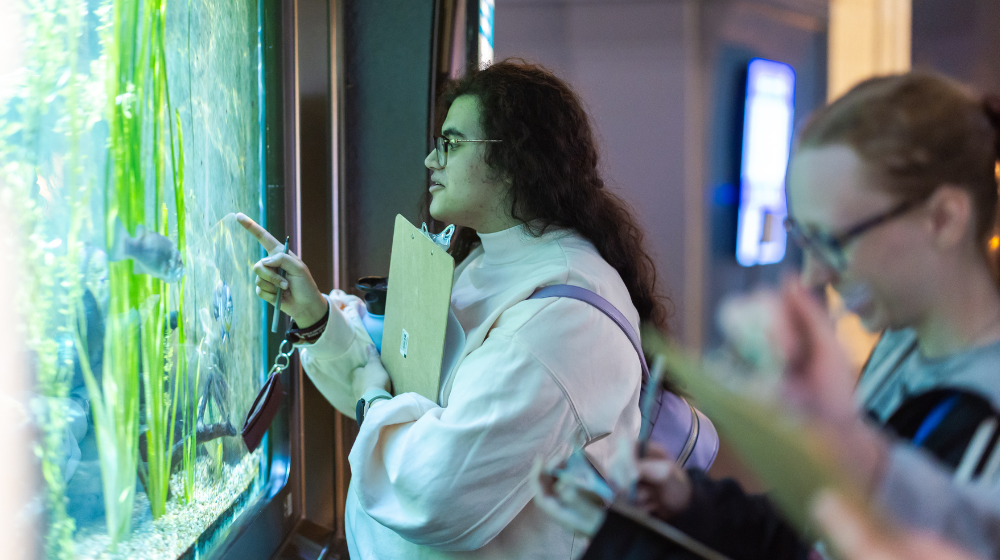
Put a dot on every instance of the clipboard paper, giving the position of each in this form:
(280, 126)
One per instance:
(416, 311)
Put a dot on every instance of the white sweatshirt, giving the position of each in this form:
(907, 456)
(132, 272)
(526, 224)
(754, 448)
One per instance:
(536, 378)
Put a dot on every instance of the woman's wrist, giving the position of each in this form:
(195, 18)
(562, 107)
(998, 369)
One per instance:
(313, 314)
(376, 388)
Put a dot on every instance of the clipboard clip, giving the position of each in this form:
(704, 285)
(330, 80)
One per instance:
(442, 239)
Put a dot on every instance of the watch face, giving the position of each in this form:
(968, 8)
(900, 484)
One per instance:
(359, 411)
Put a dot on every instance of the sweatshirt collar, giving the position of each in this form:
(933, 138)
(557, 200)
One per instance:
(512, 244)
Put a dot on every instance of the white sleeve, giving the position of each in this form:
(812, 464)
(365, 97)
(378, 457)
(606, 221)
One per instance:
(452, 478)
(921, 493)
(331, 360)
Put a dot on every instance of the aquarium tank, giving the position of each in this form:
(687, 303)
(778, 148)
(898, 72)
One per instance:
(130, 135)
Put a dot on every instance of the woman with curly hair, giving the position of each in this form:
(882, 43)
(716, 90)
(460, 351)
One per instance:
(516, 168)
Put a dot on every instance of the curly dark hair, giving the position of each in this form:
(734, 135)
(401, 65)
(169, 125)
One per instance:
(549, 158)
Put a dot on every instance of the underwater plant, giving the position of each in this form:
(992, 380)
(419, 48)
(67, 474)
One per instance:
(92, 165)
(143, 148)
(52, 105)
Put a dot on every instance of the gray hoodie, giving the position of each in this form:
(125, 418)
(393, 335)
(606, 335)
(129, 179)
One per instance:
(917, 489)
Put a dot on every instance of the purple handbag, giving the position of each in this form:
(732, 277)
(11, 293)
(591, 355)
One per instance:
(681, 429)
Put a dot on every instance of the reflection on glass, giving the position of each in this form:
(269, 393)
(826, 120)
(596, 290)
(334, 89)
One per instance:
(129, 137)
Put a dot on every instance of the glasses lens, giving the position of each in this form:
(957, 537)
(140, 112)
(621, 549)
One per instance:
(442, 151)
(823, 250)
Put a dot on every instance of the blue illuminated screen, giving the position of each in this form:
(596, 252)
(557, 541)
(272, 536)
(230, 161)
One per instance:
(767, 136)
(486, 12)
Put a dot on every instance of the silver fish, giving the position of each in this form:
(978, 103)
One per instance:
(150, 252)
(222, 309)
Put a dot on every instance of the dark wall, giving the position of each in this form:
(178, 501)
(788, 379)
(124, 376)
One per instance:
(315, 169)
(960, 38)
(632, 62)
(626, 60)
(315, 246)
(388, 69)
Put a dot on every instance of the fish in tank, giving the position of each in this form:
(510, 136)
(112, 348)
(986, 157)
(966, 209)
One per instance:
(151, 253)
(129, 138)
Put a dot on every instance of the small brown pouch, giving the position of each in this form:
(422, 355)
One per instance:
(264, 408)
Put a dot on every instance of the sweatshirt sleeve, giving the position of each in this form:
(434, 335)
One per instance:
(452, 478)
(331, 360)
(922, 494)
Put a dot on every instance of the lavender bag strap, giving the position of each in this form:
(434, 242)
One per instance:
(680, 443)
(587, 296)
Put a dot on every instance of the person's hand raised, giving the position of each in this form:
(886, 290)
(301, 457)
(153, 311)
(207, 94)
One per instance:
(818, 379)
(819, 384)
(300, 298)
(792, 329)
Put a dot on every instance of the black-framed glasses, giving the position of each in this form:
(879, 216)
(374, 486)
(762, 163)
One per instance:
(829, 248)
(442, 145)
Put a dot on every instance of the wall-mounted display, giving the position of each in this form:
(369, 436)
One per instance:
(767, 137)
(487, 8)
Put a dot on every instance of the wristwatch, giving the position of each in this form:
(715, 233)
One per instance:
(366, 401)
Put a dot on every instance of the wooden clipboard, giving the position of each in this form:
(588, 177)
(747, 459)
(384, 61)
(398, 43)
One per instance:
(416, 311)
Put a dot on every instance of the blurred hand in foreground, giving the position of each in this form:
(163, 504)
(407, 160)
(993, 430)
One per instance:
(786, 335)
(300, 298)
(570, 505)
(817, 381)
(856, 537)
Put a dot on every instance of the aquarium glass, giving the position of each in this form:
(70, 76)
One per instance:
(129, 138)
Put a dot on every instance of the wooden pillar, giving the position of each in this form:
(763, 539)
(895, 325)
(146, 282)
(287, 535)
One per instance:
(867, 38)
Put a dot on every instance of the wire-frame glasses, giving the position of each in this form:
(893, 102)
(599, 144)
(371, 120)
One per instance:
(442, 145)
(829, 248)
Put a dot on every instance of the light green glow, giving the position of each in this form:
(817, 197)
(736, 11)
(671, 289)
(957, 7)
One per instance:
(91, 139)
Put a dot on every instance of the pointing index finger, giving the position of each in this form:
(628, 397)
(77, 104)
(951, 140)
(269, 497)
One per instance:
(266, 240)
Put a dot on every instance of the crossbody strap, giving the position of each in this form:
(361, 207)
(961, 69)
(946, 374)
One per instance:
(587, 296)
(604, 306)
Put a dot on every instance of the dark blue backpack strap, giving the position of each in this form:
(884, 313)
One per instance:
(587, 296)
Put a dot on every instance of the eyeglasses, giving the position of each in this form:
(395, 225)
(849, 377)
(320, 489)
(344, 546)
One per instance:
(442, 145)
(830, 248)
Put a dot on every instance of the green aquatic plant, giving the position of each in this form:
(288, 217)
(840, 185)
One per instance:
(74, 191)
(115, 406)
(47, 187)
(143, 150)
(116, 420)
(790, 456)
